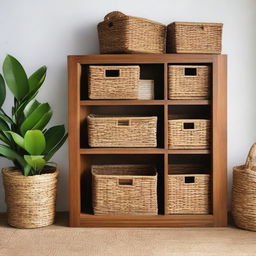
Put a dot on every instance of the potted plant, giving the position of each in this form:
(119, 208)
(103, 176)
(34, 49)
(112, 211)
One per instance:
(30, 185)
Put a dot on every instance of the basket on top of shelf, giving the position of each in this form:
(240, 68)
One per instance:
(118, 82)
(189, 82)
(119, 33)
(188, 189)
(189, 134)
(194, 37)
(124, 190)
(123, 131)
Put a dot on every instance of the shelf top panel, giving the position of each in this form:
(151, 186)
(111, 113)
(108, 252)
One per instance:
(122, 151)
(120, 102)
(144, 58)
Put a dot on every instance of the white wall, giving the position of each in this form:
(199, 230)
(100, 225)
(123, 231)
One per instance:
(45, 32)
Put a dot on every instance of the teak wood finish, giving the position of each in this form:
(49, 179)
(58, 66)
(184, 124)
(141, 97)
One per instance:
(81, 156)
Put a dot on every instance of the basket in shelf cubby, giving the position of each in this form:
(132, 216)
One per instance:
(82, 157)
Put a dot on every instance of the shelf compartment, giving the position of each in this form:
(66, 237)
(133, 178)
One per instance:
(89, 220)
(121, 110)
(147, 72)
(86, 161)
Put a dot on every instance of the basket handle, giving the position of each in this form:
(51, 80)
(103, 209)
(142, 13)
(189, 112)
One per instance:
(189, 179)
(113, 15)
(251, 158)
(188, 126)
(123, 123)
(125, 182)
(112, 73)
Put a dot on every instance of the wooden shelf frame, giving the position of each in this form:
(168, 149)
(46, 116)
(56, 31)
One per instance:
(78, 108)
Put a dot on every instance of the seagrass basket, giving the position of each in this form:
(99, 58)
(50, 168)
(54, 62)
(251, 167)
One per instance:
(119, 33)
(194, 37)
(189, 82)
(124, 190)
(30, 200)
(188, 193)
(129, 131)
(114, 82)
(244, 193)
(189, 134)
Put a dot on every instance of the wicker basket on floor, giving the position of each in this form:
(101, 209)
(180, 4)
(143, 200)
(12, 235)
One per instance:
(114, 131)
(119, 33)
(244, 193)
(189, 82)
(194, 37)
(114, 82)
(189, 134)
(188, 193)
(124, 190)
(30, 200)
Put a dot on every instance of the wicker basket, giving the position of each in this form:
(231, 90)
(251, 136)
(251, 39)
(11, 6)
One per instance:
(130, 131)
(114, 82)
(244, 193)
(189, 134)
(30, 200)
(124, 190)
(119, 33)
(194, 37)
(189, 82)
(188, 193)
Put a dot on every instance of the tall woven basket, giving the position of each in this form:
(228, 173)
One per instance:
(30, 200)
(244, 192)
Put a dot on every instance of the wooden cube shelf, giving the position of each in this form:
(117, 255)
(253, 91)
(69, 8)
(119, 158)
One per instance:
(82, 157)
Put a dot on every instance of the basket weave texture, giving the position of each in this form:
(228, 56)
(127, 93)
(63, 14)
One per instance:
(194, 37)
(127, 131)
(119, 33)
(188, 198)
(30, 200)
(122, 86)
(182, 85)
(244, 193)
(124, 190)
(196, 136)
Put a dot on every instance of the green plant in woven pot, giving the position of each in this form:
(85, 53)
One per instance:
(30, 184)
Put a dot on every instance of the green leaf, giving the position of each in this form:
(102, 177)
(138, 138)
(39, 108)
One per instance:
(34, 142)
(43, 121)
(15, 77)
(36, 162)
(34, 117)
(36, 79)
(27, 170)
(56, 148)
(4, 138)
(53, 136)
(6, 118)
(4, 126)
(30, 107)
(8, 153)
(17, 138)
(2, 91)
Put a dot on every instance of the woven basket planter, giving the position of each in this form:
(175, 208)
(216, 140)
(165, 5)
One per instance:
(124, 190)
(30, 200)
(188, 194)
(194, 37)
(244, 193)
(189, 82)
(114, 82)
(119, 33)
(127, 131)
(189, 134)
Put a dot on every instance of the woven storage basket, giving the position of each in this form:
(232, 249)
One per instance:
(188, 193)
(189, 134)
(130, 131)
(244, 193)
(119, 33)
(114, 82)
(189, 82)
(30, 200)
(124, 190)
(194, 37)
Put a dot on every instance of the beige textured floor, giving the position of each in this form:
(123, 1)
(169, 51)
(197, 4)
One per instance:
(61, 240)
